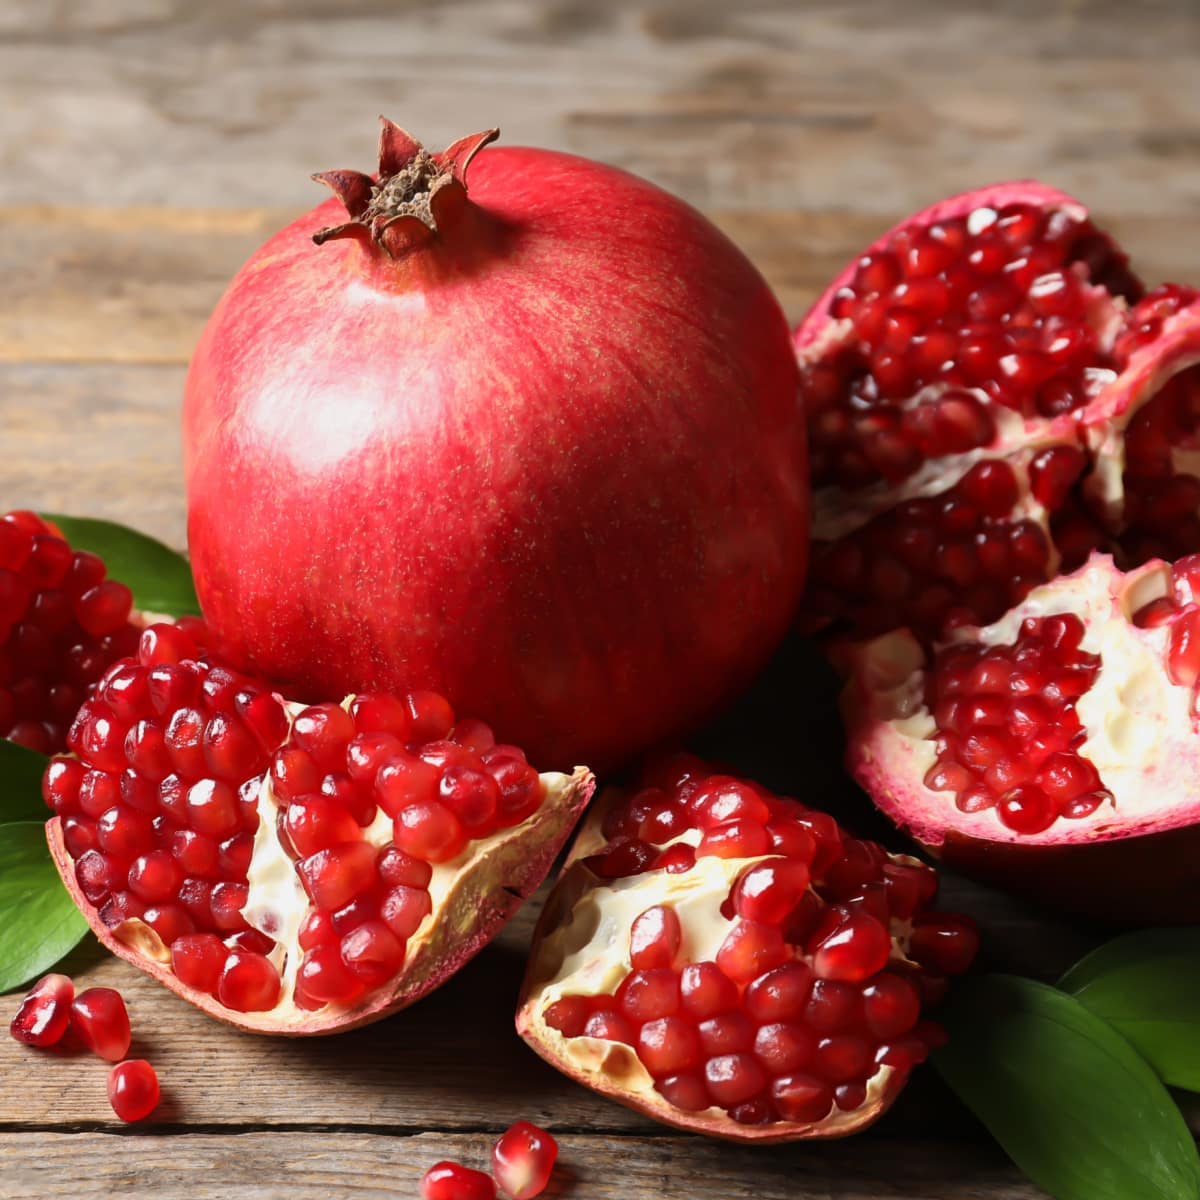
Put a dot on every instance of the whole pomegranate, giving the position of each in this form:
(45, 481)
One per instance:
(536, 447)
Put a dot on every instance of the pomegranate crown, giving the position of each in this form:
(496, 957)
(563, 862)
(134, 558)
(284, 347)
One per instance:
(415, 196)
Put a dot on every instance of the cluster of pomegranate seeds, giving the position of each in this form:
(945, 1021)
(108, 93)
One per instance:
(98, 1019)
(998, 301)
(154, 811)
(964, 556)
(61, 623)
(522, 1162)
(806, 998)
(161, 807)
(1180, 611)
(1161, 517)
(1008, 736)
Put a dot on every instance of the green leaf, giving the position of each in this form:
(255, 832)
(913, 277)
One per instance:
(1145, 986)
(1073, 1104)
(21, 783)
(39, 922)
(160, 578)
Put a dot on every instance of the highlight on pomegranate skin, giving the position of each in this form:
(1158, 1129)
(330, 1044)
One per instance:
(991, 395)
(62, 622)
(293, 868)
(733, 962)
(1053, 747)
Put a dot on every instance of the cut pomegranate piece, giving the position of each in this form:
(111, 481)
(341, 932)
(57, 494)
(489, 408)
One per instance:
(99, 1017)
(61, 625)
(968, 382)
(45, 1012)
(523, 1159)
(1051, 751)
(133, 1089)
(258, 860)
(757, 998)
(453, 1181)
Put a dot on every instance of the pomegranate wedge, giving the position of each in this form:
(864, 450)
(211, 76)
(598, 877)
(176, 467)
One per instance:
(1053, 751)
(731, 962)
(293, 869)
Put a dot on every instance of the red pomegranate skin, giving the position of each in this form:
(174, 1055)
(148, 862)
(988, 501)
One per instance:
(550, 464)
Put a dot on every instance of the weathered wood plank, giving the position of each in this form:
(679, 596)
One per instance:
(300, 1166)
(766, 104)
(136, 285)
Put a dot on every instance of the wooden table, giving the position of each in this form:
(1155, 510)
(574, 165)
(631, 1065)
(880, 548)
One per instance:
(147, 146)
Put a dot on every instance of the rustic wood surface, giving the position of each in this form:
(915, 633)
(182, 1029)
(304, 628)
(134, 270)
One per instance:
(146, 148)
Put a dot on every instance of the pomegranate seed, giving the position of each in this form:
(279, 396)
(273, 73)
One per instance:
(726, 1033)
(45, 1012)
(784, 1047)
(315, 823)
(99, 1018)
(686, 1091)
(705, 990)
(770, 890)
(734, 1078)
(404, 908)
(944, 942)
(523, 1159)
(248, 983)
(452, 1181)
(648, 994)
(841, 1058)
(569, 1015)
(431, 716)
(858, 948)
(780, 994)
(429, 831)
(654, 938)
(891, 1005)
(669, 1045)
(802, 1098)
(611, 1026)
(133, 1089)
(325, 979)
(333, 877)
(373, 952)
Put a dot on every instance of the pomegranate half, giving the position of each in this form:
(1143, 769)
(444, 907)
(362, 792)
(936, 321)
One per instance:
(733, 963)
(293, 869)
(535, 447)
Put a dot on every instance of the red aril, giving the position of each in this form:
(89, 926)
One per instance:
(45, 1012)
(133, 1089)
(101, 1022)
(260, 877)
(754, 994)
(535, 541)
(453, 1181)
(523, 1159)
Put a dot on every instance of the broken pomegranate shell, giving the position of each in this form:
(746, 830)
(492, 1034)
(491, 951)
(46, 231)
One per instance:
(968, 383)
(733, 963)
(292, 869)
(1054, 751)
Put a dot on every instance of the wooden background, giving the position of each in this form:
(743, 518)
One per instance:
(146, 148)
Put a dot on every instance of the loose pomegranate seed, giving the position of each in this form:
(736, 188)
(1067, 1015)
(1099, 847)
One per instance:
(523, 1159)
(452, 1181)
(45, 1012)
(133, 1089)
(99, 1018)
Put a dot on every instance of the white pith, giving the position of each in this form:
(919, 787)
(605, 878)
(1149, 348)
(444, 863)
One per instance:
(586, 952)
(277, 903)
(1141, 730)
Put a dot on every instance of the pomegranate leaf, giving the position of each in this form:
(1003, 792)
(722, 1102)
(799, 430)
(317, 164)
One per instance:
(21, 783)
(159, 577)
(1145, 985)
(1073, 1104)
(39, 922)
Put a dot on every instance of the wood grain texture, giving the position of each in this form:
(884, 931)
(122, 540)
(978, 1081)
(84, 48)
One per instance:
(349, 1166)
(148, 146)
